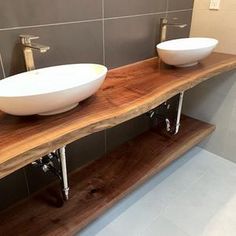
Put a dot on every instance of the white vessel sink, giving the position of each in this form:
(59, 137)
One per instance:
(186, 51)
(50, 90)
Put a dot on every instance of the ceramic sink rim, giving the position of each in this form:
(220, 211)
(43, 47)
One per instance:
(45, 72)
(186, 52)
(170, 45)
(51, 90)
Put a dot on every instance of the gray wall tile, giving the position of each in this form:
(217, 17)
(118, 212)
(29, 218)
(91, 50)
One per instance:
(126, 131)
(37, 179)
(78, 154)
(133, 7)
(68, 44)
(16, 13)
(180, 4)
(131, 39)
(183, 17)
(230, 138)
(1, 74)
(1, 69)
(214, 101)
(12, 189)
(86, 150)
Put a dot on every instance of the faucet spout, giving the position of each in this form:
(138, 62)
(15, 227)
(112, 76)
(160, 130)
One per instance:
(28, 47)
(39, 47)
(163, 28)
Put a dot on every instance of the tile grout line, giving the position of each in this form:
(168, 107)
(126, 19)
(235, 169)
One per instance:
(137, 15)
(170, 221)
(92, 20)
(105, 140)
(103, 33)
(167, 7)
(2, 67)
(185, 190)
(146, 14)
(183, 10)
(181, 195)
(26, 181)
(104, 62)
(48, 25)
(162, 214)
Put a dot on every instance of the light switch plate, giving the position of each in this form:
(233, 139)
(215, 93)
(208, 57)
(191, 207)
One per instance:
(214, 5)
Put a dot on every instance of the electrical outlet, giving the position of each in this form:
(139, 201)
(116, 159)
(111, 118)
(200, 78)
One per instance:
(214, 5)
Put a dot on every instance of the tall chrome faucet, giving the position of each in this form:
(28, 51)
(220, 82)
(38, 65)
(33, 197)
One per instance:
(28, 47)
(163, 28)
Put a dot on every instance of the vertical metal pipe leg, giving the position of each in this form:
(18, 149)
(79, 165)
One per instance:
(181, 97)
(65, 186)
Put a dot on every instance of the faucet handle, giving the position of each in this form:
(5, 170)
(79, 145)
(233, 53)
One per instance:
(26, 38)
(175, 18)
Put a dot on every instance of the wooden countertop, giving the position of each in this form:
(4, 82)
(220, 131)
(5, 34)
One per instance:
(128, 92)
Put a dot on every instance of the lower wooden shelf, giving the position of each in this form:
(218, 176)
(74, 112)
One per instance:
(99, 185)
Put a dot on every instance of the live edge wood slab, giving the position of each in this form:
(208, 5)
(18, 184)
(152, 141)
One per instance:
(127, 92)
(99, 185)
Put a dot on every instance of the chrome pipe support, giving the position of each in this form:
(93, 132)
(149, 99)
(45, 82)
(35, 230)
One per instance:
(169, 127)
(55, 162)
(65, 185)
(177, 126)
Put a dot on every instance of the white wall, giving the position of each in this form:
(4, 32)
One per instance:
(219, 24)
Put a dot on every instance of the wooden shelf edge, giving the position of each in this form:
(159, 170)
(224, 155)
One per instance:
(98, 186)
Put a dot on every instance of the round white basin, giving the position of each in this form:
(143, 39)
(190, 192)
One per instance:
(186, 51)
(50, 90)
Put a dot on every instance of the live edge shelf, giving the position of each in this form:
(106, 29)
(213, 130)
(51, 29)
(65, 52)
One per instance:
(98, 186)
(128, 92)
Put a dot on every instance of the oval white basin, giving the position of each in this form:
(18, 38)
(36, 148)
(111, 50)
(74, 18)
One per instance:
(186, 51)
(50, 90)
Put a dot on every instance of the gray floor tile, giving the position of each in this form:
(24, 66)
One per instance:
(189, 198)
(163, 227)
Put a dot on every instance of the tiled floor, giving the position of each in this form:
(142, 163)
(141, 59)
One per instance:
(195, 196)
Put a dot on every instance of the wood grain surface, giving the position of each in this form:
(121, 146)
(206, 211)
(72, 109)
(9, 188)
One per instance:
(128, 92)
(99, 185)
